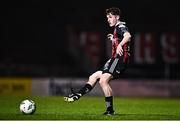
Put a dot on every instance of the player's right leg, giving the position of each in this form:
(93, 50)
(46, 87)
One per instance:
(72, 97)
(85, 89)
(104, 83)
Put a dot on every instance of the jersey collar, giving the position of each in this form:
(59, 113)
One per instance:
(120, 23)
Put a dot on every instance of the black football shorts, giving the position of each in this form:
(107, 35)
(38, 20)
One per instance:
(115, 66)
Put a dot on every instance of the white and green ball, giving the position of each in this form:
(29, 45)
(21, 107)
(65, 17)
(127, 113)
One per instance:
(27, 106)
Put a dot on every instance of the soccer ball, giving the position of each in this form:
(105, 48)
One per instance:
(27, 106)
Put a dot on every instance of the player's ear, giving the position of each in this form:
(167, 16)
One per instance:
(117, 17)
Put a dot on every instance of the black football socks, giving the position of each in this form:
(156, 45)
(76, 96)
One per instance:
(109, 103)
(87, 88)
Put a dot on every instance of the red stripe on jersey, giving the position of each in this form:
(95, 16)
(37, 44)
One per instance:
(114, 44)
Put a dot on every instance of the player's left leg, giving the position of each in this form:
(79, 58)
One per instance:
(104, 83)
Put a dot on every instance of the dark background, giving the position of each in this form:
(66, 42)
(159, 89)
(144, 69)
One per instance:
(34, 40)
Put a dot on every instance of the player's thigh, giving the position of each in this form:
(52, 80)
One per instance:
(95, 75)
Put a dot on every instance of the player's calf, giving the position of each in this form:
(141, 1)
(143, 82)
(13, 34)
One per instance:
(75, 96)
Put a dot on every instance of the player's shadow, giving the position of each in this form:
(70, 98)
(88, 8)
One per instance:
(148, 116)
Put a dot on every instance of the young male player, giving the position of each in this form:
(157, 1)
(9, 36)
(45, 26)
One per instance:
(115, 66)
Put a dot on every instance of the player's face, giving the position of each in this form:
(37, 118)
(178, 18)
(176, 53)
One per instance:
(112, 19)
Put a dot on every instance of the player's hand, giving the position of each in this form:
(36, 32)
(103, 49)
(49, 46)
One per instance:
(119, 50)
(110, 36)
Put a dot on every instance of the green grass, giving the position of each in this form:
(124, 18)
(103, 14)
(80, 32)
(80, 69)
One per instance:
(91, 108)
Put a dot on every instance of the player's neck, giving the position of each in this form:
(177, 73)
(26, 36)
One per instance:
(119, 22)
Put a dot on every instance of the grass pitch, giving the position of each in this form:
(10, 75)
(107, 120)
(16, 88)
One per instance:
(91, 108)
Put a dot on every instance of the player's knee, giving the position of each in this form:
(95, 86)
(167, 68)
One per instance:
(92, 77)
(104, 79)
(102, 82)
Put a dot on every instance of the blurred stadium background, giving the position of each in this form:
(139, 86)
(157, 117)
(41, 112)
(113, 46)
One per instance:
(49, 46)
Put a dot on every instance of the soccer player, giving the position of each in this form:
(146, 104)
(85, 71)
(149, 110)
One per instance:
(115, 66)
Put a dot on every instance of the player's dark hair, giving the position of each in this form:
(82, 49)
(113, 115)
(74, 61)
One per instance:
(113, 11)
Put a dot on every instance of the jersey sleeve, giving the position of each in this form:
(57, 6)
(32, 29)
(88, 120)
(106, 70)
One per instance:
(121, 29)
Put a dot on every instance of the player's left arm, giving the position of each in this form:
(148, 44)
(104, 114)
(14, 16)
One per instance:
(126, 38)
